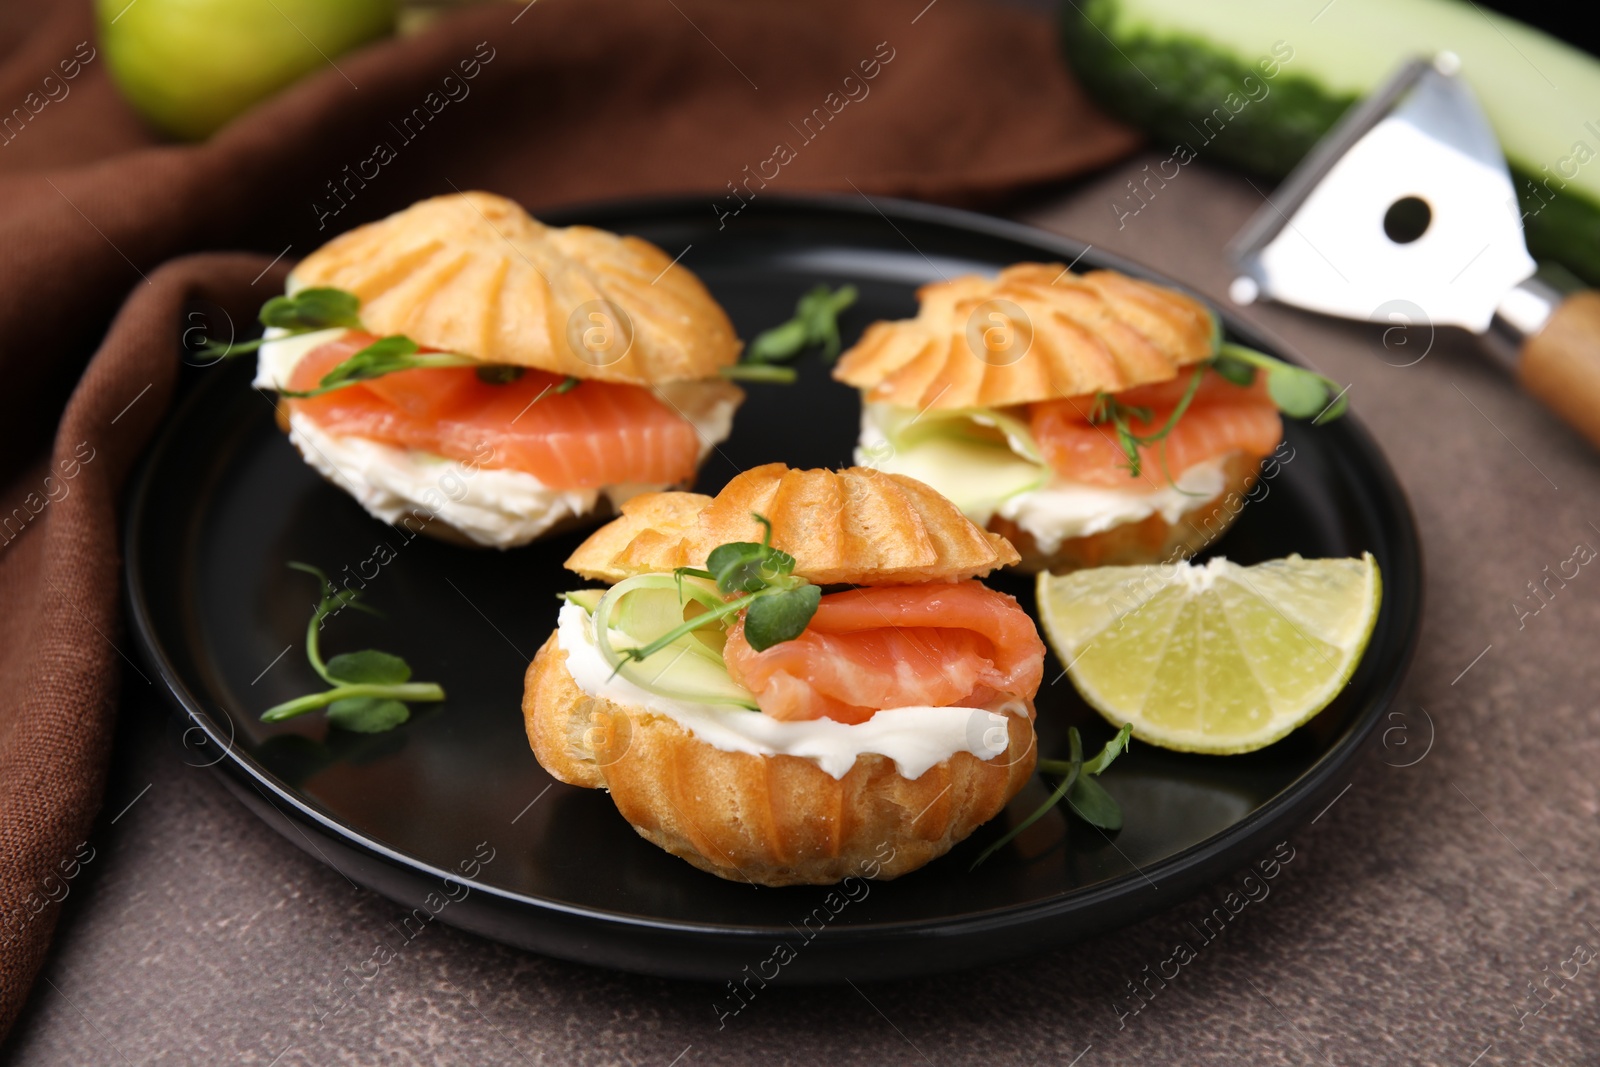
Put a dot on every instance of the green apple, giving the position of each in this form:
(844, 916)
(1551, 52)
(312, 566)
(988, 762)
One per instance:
(191, 65)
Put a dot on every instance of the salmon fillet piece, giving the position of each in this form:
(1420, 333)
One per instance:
(1222, 418)
(936, 644)
(596, 434)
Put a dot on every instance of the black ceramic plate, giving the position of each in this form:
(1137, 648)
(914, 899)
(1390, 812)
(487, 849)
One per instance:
(224, 502)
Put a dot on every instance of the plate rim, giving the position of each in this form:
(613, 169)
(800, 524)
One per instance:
(1181, 869)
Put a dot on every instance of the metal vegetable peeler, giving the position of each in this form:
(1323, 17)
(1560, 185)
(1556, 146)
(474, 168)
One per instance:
(1405, 214)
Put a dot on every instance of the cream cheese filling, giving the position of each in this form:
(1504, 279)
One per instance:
(1065, 509)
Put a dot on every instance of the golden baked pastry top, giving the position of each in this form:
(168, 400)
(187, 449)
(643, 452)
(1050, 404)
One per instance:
(1035, 332)
(474, 273)
(856, 526)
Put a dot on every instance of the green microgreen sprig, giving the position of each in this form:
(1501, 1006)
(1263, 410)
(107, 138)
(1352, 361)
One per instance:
(370, 689)
(815, 323)
(1086, 798)
(759, 372)
(385, 356)
(1108, 409)
(1299, 393)
(307, 311)
(325, 308)
(778, 604)
(319, 308)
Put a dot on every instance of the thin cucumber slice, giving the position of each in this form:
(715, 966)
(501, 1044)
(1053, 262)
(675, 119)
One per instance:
(978, 458)
(636, 611)
(587, 599)
(907, 426)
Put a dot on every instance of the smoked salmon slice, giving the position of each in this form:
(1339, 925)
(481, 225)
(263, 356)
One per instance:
(597, 434)
(936, 644)
(1222, 418)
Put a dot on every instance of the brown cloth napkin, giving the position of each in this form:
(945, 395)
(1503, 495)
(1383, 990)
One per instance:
(557, 102)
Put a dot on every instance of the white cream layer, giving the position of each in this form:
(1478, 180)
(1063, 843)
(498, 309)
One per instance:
(497, 508)
(914, 738)
(1065, 509)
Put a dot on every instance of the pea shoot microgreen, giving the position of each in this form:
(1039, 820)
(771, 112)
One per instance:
(815, 323)
(325, 308)
(318, 308)
(760, 578)
(1086, 798)
(759, 372)
(370, 689)
(385, 356)
(1107, 408)
(1299, 393)
(305, 312)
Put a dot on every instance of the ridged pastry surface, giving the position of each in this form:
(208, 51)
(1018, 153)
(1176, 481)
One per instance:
(1035, 332)
(768, 820)
(854, 526)
(476, 274)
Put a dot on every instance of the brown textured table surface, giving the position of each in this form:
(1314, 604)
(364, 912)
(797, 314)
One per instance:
(1411, 925)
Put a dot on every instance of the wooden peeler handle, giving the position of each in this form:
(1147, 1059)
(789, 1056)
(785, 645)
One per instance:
(1560, 364)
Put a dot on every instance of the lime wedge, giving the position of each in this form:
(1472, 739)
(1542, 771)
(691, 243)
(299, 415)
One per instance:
(1215, 658)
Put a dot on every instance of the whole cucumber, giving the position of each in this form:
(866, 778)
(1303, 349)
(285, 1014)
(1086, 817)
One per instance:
(1255, 83)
